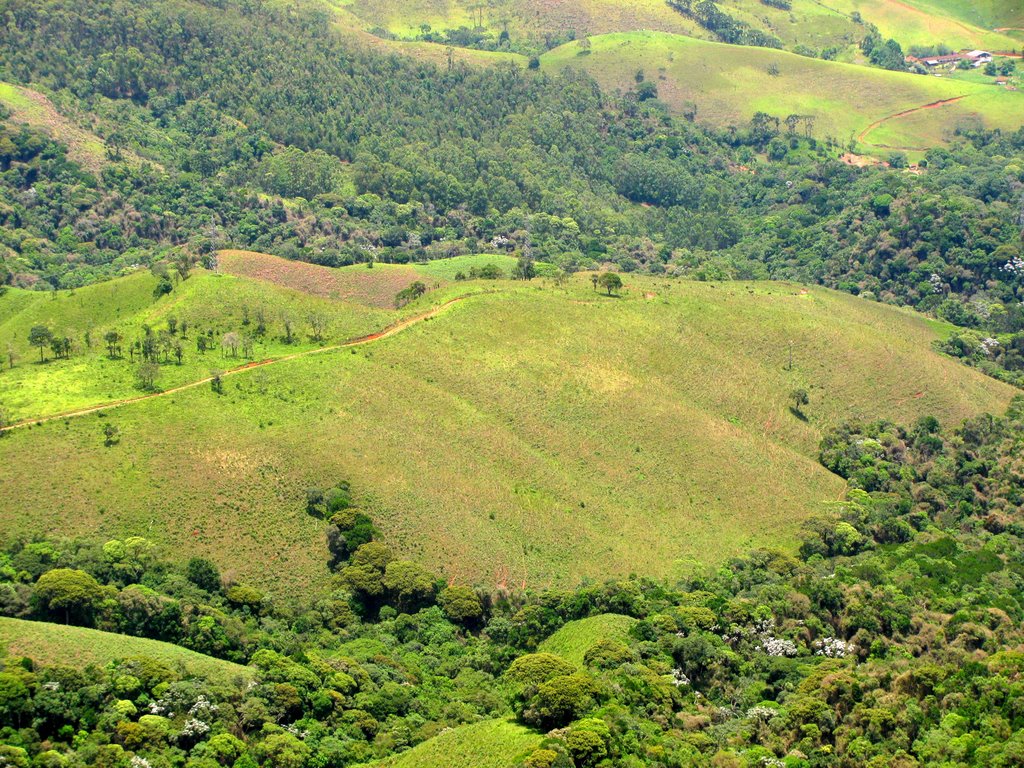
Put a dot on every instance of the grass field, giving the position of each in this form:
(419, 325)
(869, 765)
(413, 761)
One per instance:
(488, 744)
(60, 645)
(485, 438)
(522, 18)
(206, 302)
(929, 22)
(730, 83)
(573, 640)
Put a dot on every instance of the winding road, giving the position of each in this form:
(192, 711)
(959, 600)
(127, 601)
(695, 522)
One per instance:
(387, 332)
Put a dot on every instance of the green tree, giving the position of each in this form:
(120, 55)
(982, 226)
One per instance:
(461, 605)
(40, 336)
(71, 592)
(203, 574)
(610, 281)
(146, 374)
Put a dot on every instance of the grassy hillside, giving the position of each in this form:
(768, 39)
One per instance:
(59, 645)
(206, 303)
(956, 23)
(573, 640)
(521, 419)
(522, 18)
(730, 83)
(489, 744)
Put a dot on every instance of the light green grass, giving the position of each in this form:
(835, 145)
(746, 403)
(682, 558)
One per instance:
(488, 744)
(730, 83)
(205, 302)
(447, 269)
(60, 645)
(956, 23)
(652, 433)
(573, 640)
(523, 18)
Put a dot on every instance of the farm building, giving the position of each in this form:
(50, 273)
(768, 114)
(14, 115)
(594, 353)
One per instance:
(976, 58)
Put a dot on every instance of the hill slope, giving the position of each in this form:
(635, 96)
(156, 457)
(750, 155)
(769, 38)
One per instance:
(730, 83)
(209, 305)
(488, 744)
(59, 645)
(574, 639)
(485, 438)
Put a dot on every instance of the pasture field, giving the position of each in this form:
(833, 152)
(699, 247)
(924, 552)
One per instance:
(487, 744)
(573, 640)
(206, 303)
(929, 22)
(61, 645)
(522, 18)
(651, 429)
(730, 83)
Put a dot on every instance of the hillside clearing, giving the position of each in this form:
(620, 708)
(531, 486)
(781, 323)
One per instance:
(573, 640)
(60, 645)
(730, 83)
(373, 287)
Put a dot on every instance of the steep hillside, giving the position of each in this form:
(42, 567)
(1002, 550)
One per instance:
(486, 437)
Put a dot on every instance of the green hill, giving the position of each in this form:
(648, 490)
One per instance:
(512, 422)
(573, 640)
(209, 305)
(56, 644)
(488, 744)
(956, 23)
(848, 102)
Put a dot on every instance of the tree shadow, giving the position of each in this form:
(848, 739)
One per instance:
(798, 413)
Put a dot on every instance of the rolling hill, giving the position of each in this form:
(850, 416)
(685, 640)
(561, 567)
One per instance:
(848, 102)
(481, 439)
(60, 645)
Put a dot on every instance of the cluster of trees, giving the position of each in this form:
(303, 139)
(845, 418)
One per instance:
(884, 53)
(725, 27)
(888, 641)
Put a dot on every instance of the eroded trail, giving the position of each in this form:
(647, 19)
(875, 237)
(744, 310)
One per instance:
(931, 105)
(387, 332)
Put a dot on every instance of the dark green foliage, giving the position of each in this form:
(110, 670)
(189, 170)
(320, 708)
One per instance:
(203, 574)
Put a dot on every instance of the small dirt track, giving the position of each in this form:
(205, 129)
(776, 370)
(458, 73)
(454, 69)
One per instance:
(391, 330)
(932, 105)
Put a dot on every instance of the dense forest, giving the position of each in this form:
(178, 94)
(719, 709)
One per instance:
(888, 641)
